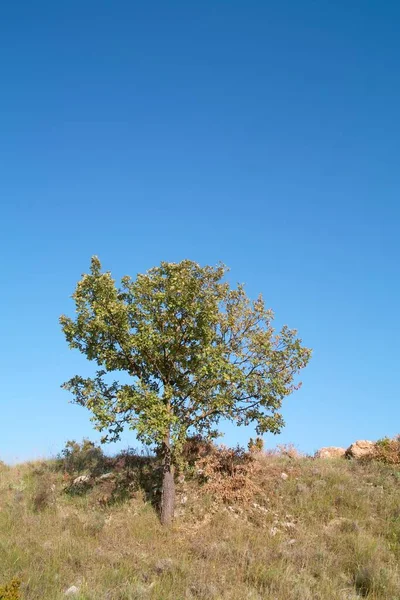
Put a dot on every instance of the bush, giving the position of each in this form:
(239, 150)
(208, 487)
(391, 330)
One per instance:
(227, 474)
(387, 450)
(86, 456)
(43, 492)
(10, 591)
(374, 580)
(195, 448)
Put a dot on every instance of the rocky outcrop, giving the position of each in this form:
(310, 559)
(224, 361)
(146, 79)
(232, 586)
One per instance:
(330, 452)
(360, 449)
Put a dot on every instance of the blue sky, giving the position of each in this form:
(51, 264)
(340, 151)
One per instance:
(263, 134)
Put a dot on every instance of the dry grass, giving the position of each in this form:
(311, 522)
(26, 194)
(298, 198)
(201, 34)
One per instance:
(329, 531)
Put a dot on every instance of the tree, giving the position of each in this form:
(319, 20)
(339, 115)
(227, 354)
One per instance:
(196, 351)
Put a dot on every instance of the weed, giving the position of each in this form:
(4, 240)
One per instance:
(11, 591)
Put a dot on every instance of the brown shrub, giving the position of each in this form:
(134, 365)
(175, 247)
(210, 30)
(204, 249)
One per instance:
(387, 451)
(227, 474)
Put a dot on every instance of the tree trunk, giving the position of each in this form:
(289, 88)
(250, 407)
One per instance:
(168, 486)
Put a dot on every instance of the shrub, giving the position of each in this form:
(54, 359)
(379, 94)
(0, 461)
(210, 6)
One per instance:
(10, 591)
(256, 445)
(85, 456)
(227, 474)
(195, 448)
(43, 492)
(374, 580)
(136, 471)
(387, 450)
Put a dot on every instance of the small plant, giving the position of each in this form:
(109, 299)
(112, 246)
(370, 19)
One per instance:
(11, 590)
(363, 581)
(43, 492)
(373, 580)
(256, 445)
(41, 499)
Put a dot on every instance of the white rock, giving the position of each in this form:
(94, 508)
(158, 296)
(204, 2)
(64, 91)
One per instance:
(106, 476)
(284, 476)
(81, 480)
(330, 452)
(71, 591)
(360, 449)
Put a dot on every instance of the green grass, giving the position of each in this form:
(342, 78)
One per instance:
(330, 531)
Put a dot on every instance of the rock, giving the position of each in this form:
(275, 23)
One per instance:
(284, 476)
(260, 508)
(81, 480)
(106, 476)
(184, 499)
(143, 590)
(330, 452)
(360, 449)
(71, 591)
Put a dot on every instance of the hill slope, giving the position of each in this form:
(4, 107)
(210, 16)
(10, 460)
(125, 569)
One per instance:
(325, 529)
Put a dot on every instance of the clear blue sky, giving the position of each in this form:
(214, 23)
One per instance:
(263, 134)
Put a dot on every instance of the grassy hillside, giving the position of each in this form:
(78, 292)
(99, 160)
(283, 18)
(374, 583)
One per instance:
(271, 527)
